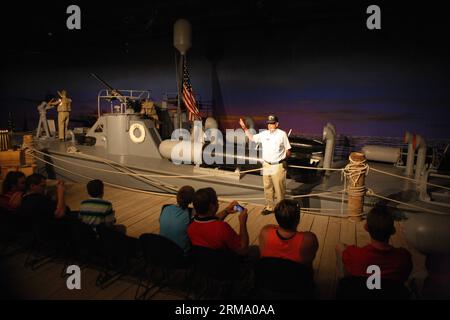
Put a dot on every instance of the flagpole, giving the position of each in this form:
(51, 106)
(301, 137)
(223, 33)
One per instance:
(180, 89)
(181, 41)
(177, 76)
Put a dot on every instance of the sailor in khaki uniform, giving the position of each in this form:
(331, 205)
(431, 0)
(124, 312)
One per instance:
(275, 149)
(149, 110)
(47, 104)
(64, 108)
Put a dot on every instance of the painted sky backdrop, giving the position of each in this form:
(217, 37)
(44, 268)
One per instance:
(310, 62)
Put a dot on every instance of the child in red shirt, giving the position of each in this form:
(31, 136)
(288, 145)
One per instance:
(394, 263)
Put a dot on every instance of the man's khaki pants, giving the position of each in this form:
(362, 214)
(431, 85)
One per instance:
(274, 178)
(63, 122)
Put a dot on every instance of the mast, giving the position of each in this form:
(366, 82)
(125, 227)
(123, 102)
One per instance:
(182, 42)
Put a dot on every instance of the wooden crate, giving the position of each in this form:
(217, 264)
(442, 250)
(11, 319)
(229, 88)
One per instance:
(27, 170)
(11, 158)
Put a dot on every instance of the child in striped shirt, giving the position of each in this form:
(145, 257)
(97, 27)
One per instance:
(95, 210)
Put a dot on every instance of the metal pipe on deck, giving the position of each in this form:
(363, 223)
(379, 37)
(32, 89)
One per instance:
(421, 156)
(409, 138)
(72, 136)
(329, 134)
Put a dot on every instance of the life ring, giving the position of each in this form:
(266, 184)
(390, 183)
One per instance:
(133, 137)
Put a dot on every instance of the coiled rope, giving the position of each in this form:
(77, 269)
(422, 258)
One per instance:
(354, 171)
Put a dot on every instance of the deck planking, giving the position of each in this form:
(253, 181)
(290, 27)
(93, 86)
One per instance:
(139, 212)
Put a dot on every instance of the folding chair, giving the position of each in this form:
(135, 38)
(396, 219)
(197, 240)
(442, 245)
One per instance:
(219, 268)
(159, 252)
(283, 279)
(84, 245)
(8, 233)
(50, 242)
(118, 250)
(355, 288)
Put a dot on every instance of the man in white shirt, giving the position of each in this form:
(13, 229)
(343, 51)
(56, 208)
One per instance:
(275, 149)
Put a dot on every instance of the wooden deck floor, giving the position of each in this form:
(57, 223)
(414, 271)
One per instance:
(139, 212)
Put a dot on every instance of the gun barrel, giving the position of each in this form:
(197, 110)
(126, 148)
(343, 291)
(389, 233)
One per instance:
(102, 81)
(106, 84)
(117, 93)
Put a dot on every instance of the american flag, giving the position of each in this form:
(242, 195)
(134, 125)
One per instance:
(188, 95)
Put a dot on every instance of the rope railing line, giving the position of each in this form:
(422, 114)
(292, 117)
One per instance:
(107, 183)
(173, 188)
(310, 211)
(409, 179)
(145, 175)
(125, 170)
(138, 174)
(162, 193)
(319, 209)
(352, 190)
(107, 161)
(146, 179)
(241, 200)
(112, 163)
(366, 167)
(187, 176)
(295, 197)
(119, 186)
(316, 194)
(335, 215)
(437, 186)
(315, 168)
(371, 193)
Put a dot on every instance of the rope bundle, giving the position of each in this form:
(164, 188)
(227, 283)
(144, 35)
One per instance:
(355, 173)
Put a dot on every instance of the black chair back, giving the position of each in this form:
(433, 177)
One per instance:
(51, 234)
(7, 225)
(9, 229)
(84, 242)
(117, 247)
(222, 265)
(277, 278)
(162, 252)
(355, 288)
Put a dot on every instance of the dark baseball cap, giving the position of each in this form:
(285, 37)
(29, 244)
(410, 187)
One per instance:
(271, 119)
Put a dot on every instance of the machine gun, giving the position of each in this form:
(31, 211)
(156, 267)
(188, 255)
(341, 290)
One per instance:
(130, 103)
